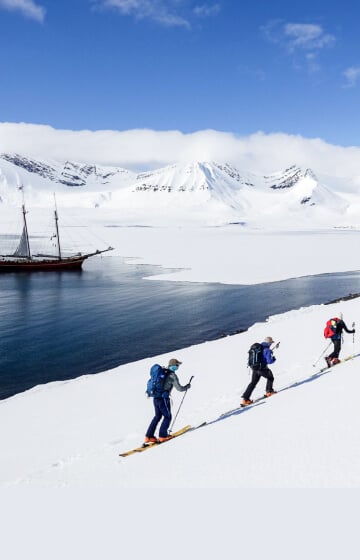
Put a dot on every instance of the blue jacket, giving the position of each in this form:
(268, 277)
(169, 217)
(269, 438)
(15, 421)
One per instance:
(267, 354)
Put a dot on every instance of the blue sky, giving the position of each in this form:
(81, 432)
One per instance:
(187, 65)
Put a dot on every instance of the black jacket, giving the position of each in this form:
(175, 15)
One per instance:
(340, 326)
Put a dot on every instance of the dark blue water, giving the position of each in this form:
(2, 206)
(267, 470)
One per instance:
(59, 325)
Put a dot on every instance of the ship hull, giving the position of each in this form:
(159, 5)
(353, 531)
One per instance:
(41, 265)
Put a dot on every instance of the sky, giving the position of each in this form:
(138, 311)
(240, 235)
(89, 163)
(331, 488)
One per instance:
(183, 65)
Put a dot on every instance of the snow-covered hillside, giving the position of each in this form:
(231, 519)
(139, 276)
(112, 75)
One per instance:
(200, 192)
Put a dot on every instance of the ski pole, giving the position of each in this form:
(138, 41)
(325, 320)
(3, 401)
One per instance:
(274, 348)
(321, 355)
(182, 400)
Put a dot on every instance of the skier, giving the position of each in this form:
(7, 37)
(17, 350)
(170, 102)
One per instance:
(162, 404)
(261, 370)
(337, 326)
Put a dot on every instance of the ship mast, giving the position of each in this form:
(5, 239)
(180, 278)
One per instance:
(25, 229)
(57, 229)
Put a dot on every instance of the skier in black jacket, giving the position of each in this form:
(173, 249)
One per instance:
(261, 371)
(338, 326)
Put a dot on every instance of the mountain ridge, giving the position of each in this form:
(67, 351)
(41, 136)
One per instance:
(201, 187)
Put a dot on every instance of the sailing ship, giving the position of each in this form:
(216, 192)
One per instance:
(23, 259)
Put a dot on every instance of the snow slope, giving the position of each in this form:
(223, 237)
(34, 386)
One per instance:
(70, 434)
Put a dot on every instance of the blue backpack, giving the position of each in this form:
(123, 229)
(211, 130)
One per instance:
(155, 385)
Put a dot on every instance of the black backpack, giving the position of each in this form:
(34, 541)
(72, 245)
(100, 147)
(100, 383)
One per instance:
(256, 358)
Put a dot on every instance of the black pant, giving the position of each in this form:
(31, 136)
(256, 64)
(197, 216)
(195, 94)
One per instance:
(256, 374)
(337, 348)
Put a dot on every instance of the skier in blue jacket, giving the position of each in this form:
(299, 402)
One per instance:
(263, 371)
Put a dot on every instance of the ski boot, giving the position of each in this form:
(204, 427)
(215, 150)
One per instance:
(328, 361)
(150, 440)
(270, 394)
(246, 402)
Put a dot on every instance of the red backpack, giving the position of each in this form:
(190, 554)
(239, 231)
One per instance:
(330, 328)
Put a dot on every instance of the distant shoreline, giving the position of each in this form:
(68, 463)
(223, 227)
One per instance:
(344, 298)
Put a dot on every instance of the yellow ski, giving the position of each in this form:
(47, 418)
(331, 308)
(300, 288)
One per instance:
(147, 446)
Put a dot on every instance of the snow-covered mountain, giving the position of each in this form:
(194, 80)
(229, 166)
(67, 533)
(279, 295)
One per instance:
(16, 169)
(296, 188)
(205, 191)
(69, 173)
(204, 186)
(193, 177)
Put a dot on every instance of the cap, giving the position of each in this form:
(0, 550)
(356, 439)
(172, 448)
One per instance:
(174, 362)
(269, 340)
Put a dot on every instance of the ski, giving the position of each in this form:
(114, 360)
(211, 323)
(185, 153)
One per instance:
(241, 406)
(256, 401)
(197, 427)
(350, 357)
(144, 447)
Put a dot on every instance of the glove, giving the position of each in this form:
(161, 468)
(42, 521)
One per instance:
(188, 386)
(353, 331)
(274, 359)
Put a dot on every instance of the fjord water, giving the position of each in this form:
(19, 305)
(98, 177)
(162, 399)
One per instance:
(60, 325)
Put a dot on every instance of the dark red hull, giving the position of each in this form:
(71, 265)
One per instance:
(71, 263)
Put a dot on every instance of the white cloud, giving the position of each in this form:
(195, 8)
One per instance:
(161, 11)
(28, 8)
(307, 36)
(149, 149)
(303, 41)
(351, 74)
(297, 36)
(206, 10)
